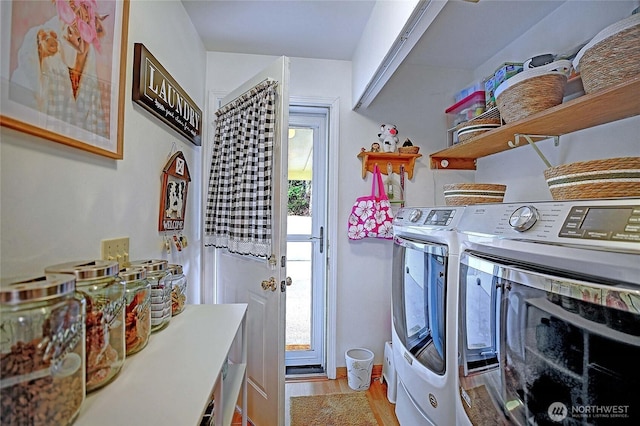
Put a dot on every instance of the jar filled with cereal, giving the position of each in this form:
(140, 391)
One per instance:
(42, 359)
(99, 283)
(178, 289)
(160, 279)
(137, 308)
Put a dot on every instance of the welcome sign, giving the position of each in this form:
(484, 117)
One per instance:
(156, 91)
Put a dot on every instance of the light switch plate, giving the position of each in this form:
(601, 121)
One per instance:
(116, 249)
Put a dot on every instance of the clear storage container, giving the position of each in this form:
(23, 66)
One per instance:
(42, 359)
(178, 289)
(138, 308)
(99, 283)
(160, 279)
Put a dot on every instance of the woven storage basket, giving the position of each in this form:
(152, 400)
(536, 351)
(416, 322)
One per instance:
(462, 194)
(408, 149)
(532, 91)
(607, 178)
(530, 96)
(472, 128)
(612, 56)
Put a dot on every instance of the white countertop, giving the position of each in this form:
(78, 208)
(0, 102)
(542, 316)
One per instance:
(169, 382)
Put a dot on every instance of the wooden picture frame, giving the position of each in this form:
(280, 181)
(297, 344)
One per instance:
(63, 71)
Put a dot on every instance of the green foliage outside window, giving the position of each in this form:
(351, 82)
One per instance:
(299, 198)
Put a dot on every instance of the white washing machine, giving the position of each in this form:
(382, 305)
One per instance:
(550, 313)
(425, 314)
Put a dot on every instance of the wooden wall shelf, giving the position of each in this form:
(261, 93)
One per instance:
(370, 159)
(612, 104)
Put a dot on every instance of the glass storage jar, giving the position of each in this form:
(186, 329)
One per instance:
(178, 289)
(42, 359)
(160, 279)
(99, 283)
(137, 309)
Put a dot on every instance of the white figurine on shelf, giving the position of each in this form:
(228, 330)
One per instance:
(389, 137)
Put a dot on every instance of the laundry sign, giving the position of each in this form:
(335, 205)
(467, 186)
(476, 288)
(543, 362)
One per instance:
(156, 91)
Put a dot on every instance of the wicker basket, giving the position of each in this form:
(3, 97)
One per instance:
(462, 194)
(531, 96)
(408, 149)
(472, 128)
(607, 178)
(612, 56)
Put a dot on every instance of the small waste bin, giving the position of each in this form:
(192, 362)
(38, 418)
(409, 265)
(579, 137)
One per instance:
(359, 366)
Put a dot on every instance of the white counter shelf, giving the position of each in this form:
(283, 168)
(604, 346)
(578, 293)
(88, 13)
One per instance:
(171, 380)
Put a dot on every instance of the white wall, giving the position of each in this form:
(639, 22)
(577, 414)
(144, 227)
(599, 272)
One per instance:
(363, 268)
(58, 203)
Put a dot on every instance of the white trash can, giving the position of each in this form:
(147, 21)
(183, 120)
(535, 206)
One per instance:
(359, 366)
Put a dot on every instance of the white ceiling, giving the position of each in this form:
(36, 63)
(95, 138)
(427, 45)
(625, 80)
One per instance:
(325, 29)
(331, 29)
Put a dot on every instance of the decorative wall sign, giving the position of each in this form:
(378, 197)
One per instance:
(156, 91)
(63, 67)
(173, 197)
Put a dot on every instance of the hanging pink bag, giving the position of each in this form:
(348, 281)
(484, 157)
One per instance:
(371, 215)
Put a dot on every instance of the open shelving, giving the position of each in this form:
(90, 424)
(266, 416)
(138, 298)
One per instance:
(611, 104)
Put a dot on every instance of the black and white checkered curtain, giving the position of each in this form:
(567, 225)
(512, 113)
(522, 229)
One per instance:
(238, 210)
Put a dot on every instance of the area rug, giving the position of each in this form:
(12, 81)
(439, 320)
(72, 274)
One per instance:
(338, 409)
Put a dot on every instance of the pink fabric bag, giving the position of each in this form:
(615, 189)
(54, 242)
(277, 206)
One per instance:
(371, 215)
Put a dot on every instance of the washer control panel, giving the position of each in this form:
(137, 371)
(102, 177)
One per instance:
(603, 223)
(589, 222)
(523, 218)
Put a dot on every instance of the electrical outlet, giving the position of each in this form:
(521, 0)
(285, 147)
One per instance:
(116, 249)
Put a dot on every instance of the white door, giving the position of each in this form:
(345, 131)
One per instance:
(239, 278)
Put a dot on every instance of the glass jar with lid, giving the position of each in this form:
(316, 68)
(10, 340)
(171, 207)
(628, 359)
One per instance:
(137, 309)
(178, 289)
(99, 283)
(160, 279)
(42, 358)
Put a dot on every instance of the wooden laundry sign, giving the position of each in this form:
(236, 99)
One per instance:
(173, 197)
(156, 91)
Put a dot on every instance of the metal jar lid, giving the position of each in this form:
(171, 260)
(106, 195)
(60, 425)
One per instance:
(86, 270)
(14, 291)
(153, 265)
(133, 274)
(175, 269)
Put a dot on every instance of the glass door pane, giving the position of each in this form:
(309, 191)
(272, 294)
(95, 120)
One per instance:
(299, 296)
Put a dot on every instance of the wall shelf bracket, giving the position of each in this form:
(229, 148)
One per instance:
(556, 139)
(529, 138)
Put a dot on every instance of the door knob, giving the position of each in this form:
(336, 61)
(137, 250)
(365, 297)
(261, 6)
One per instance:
(288, 281)
(269, 284)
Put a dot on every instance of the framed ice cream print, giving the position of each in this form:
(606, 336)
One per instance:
(63, 71)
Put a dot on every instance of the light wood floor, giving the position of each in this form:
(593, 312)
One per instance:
(383, 410)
